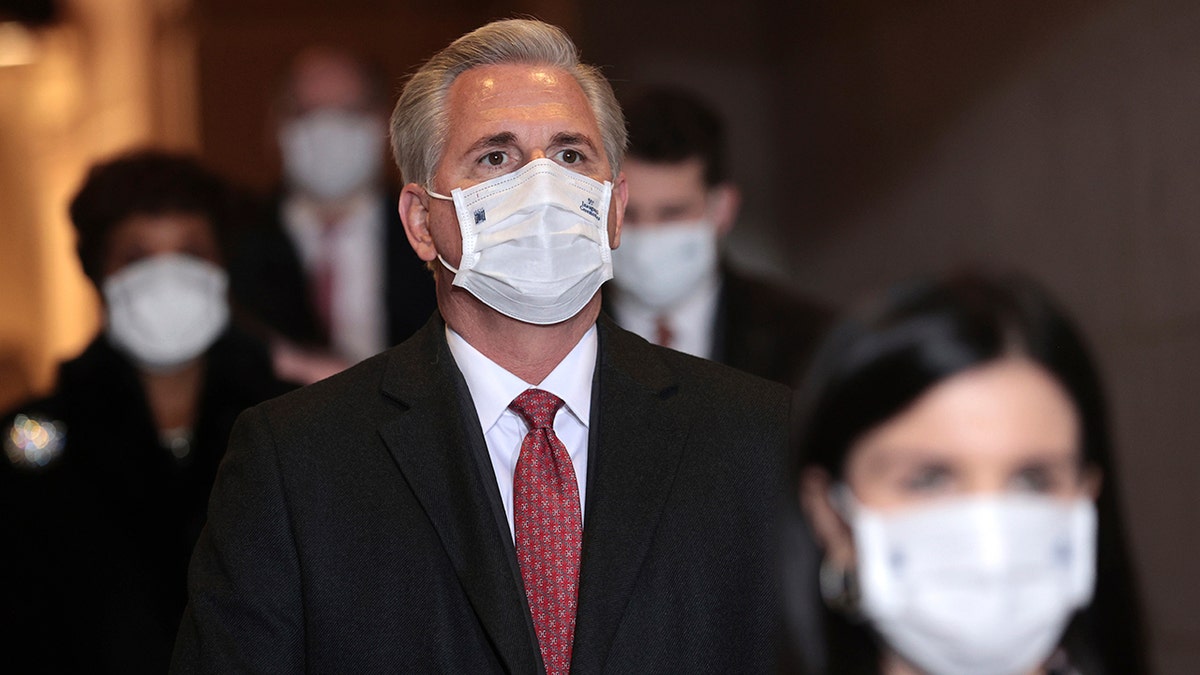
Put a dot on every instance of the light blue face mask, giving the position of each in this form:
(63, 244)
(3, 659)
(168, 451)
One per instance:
(535, 241)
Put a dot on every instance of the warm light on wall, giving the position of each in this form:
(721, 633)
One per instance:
(18, 44)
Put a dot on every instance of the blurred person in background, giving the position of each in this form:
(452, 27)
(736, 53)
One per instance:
(670, 284)
(328, 276)
(104, 484)
(955, 465)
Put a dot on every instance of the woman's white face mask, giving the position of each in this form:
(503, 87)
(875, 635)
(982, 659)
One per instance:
(534, 242)
(977, 584)
(166, 310)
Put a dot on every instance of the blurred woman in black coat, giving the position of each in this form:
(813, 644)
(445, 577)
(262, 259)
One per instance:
(104, 484)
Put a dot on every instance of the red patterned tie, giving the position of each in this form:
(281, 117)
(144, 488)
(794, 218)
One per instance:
(549, 528)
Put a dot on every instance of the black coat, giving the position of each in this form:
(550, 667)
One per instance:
(766, 330)
(96, 543)
(268, 282)
(356, 527)
(761, 328)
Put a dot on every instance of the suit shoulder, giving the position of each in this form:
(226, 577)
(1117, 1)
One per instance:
(636, 355)
(764, 297)
(722, 378)
(331, 398)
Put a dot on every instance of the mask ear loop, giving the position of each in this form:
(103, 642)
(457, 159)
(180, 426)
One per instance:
(436, 195)
(840, 589)
(839, 583)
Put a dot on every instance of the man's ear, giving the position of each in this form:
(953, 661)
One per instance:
(616, 215)
(414, 213)
(832, 533)
(725, 200)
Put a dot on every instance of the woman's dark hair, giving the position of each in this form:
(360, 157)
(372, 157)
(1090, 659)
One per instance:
(144, 182)
(879, 360)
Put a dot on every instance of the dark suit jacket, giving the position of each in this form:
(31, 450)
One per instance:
(268, 282)
(356, 526)
(95, 545)
(761, 328)
(766, 330)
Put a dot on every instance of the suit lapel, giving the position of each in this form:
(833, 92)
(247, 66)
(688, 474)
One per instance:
(433, 450)
(636, 444)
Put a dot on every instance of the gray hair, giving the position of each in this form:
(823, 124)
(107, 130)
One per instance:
(419, 121)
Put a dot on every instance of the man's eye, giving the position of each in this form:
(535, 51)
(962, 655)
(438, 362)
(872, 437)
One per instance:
(495, 158)
(570, 157)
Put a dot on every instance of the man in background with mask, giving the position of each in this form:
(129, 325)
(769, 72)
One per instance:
(330, 277)
(670, 285)
(522, 486)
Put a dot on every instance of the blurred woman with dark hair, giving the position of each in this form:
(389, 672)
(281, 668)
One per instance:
(104, 484)
(955, 467)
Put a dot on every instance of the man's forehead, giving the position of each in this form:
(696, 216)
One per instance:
(327, 79)
(685, 174)
(519, 93)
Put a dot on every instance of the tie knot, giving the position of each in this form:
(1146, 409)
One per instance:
(537, 407)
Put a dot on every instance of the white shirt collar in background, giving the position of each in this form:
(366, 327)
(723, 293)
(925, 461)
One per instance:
(358, 248)
(692, 321)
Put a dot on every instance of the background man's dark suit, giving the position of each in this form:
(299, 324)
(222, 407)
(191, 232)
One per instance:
(764, 330)
(761, 329)
(356, 526)
(268, 281)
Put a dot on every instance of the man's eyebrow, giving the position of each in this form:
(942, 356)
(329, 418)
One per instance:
(504, 138)
(572, 138)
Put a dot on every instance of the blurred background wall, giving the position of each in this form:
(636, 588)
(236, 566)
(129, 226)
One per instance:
(875, 139)
(79, 79)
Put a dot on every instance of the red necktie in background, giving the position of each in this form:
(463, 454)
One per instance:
(663, 335)
(549, 528)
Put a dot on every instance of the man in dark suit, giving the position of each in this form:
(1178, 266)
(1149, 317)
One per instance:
(327, 274)
(671, 286)
(522, 486)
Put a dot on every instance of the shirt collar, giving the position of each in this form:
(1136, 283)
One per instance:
(302, 220)
(493, 388)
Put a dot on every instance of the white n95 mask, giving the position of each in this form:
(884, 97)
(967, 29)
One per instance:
(166, 310)
(332, 153)
(534, 242)
(980, 585)
(660, 264)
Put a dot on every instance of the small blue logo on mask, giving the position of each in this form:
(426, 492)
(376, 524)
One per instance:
(588, 206)
(480, 216)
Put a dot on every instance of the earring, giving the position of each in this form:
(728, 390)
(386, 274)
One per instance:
(839, 587)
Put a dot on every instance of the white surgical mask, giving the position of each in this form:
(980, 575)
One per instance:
(331, 153)
(980, 585)
(534, 242)
(659, 265)
(166, 310)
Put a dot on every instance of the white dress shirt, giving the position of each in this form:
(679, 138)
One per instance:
(691, 321)
(356, 251)
(493, 388)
